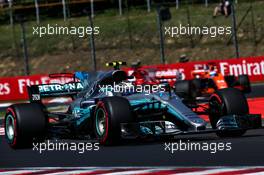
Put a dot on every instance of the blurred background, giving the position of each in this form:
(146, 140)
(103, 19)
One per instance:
(128, 31)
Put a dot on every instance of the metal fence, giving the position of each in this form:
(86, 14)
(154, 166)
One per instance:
(132, 33)
(10, 6)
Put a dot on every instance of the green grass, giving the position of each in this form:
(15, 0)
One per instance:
(114, 29)
(2, 114)
(114, 32)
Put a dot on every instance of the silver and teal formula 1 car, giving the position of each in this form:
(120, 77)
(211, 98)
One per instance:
(99, 112)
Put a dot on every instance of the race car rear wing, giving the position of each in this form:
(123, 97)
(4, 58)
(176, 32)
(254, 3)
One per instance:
(37, 92)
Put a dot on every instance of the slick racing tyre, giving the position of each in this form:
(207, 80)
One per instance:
(244, 82)
(227, 102)
(24, 123)
(196, 87)
(230, 80)
(110, 112)
(185, 89)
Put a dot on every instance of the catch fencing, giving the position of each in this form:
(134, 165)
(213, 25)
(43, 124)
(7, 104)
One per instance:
(131, 36)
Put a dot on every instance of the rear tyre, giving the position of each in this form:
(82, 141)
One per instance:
(109, 114)
(244, 81)
(227, 102)
(24, 123)
(230, 80)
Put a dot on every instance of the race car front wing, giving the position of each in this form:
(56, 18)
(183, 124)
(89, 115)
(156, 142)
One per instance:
(166, 128)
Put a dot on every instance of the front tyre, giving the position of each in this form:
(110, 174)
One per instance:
(229, 101)
(110, 112)
(244, 82)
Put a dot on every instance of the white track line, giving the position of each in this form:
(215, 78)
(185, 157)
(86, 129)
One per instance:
(258, 173)
(14, 172)
(212, 171)
(69, 172)
(142, 171)
(2, 131)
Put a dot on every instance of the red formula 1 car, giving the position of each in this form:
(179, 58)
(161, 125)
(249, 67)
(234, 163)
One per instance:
(209, 79)
(139, 75)
(148, 76)
(142, 76)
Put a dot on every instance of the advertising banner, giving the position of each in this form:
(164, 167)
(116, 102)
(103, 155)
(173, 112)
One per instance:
(252, 66)
(14, 88)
